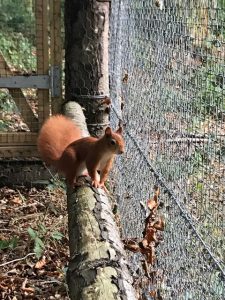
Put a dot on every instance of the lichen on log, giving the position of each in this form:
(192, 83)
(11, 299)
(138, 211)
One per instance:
(98, 268)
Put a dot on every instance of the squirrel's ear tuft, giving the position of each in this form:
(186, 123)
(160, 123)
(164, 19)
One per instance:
(119, 130)
(108, 131)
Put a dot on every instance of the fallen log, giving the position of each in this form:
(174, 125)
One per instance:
(98, 268)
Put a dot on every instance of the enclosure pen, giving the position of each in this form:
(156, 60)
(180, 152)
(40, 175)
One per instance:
(156, 67)
(31, 91)
(167, 74)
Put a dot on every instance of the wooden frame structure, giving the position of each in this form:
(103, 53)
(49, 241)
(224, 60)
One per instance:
(49, 59)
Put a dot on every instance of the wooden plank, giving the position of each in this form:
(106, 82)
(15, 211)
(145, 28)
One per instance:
(32, 81)
(56, 48)
(8, 139)
(41, 10)
(18, 151)
(19, 98)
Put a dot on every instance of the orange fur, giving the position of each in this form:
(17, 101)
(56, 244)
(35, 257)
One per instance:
(60, 145)
(55, 135)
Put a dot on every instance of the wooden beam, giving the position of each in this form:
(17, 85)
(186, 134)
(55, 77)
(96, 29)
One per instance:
(8, 139)
(41, 9)
(18, 151)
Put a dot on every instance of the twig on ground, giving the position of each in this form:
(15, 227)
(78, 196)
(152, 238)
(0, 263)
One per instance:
(17, 259)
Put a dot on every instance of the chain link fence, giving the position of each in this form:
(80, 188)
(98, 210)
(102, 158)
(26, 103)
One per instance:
(168, 85)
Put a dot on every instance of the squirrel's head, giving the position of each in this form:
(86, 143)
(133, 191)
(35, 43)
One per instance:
(115, 140)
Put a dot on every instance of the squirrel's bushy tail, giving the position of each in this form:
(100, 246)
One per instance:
(55, 135)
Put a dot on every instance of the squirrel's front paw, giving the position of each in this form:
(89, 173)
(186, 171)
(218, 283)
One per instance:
(98, 184)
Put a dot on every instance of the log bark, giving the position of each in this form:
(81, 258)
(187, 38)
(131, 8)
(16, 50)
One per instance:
(74, 111)
(98, 268)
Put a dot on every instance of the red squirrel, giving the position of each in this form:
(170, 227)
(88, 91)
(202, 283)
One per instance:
(60, 144)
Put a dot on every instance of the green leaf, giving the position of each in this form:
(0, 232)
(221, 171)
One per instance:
(56, 235)
(42, 229)
(199, 186)
(38, 247)
(39, 242)
(33, 234)
(4, 244)
(38, 250)
(11, 244)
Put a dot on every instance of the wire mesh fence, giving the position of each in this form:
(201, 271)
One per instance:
(167, 84)
(17, 57)
(30, 72)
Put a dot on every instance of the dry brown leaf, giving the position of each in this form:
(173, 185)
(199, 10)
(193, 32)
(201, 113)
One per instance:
(144, 243)
(157, 190)
(150, 238)
(150, 235)
(146, 268)
(3, 287)
(159, 224)
(153, 294)
(131, 245)
(24, 283)
(16, 200)
(150, 255)
(125, 78)
(41, 263)
(152, 203)
(28, 290)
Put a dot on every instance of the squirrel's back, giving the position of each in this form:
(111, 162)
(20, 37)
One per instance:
(55, 135)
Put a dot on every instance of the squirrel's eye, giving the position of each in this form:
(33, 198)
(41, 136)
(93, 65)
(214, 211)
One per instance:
(113, 142)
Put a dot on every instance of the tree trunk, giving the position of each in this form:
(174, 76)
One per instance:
(86, 59)
(98, 268)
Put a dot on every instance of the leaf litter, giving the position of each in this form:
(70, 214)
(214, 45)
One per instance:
(33, 243)
(152, 235)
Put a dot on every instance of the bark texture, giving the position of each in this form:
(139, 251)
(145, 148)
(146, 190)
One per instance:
(98, 268)
(86, 56)
(73, 110)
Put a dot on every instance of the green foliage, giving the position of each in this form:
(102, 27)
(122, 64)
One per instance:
(38, 243)
(8, 244)
(18, 51)
(40, 237)
(210, 99)
(17, 34)
(219, 29)
(56, 183)
(56, 235)
(7, 105)
(17, 16)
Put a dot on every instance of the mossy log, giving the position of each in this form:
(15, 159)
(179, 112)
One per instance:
(98, 268)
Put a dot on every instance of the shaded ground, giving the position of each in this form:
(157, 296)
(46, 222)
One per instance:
(33, 243)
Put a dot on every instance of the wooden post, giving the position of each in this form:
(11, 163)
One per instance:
(56, 50)
(86, 59)
(41, 10)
